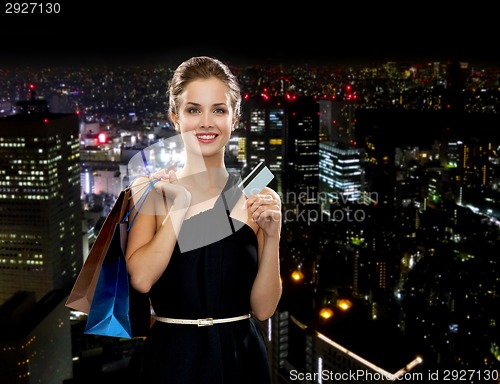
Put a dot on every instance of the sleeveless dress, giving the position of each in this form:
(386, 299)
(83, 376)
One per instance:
(210, 274)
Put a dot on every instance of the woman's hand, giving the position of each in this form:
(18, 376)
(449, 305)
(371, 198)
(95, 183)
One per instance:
(168, 184)
(265, 210)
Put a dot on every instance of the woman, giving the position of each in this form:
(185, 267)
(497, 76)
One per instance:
(207, 255)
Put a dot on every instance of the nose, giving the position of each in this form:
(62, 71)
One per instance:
(206, 120)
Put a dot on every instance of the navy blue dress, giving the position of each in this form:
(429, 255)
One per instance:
(210, 274)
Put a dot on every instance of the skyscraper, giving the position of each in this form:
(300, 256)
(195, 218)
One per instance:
(341, 172)
(264, 122)
(284, 133)
(337, 120)
(40, 211)
(302, 148)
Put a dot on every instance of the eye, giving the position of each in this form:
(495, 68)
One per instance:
(193, 110)
(219, 110)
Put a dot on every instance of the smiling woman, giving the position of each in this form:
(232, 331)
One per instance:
(205, 124)
(207, 255)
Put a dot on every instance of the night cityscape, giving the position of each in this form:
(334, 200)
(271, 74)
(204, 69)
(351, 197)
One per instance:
(389, 174)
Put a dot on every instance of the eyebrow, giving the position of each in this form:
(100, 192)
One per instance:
(213, 105)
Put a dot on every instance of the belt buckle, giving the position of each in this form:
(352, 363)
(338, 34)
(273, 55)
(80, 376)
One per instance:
(205, 322)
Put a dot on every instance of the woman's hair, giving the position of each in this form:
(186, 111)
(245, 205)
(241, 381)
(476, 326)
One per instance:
(203, 67)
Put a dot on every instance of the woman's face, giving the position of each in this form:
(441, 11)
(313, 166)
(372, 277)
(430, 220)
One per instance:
(205, 116)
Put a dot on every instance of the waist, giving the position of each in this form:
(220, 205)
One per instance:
(209, 321)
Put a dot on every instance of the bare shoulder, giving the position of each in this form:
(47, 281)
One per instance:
(141, 196)
(139, 184)
(139, 181)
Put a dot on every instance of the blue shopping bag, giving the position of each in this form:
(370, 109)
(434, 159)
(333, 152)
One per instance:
(109, 311)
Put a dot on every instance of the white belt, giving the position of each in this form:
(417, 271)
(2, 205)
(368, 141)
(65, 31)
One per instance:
(200, 322)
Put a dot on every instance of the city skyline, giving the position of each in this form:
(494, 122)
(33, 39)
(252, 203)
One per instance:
(376, 249)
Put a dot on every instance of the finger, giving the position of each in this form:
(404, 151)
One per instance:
(160, 175)
(268, 216)
(262, 201)
(264, 212)
(255, 198)
(248, 202)
(172, 176)
(160, 184)
(255, 201)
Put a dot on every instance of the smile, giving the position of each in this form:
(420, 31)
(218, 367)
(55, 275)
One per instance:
(206, 137)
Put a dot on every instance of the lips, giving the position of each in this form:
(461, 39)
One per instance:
(206, 137)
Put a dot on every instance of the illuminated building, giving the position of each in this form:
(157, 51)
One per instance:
(302, 148)
(41, 248)
(35, 339)
(283, 132)
(40, 210)
(337, 120)
(341, 172)
(264, 122)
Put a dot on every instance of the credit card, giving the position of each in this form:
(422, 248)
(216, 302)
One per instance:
(256, 180)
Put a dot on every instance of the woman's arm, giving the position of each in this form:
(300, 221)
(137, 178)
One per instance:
(149, 245)
(265, 209)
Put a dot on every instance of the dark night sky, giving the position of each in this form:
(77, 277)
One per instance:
(253, 33)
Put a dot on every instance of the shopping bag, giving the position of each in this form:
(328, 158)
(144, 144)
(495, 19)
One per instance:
(109, 310)
(105, 272)
(83, 289)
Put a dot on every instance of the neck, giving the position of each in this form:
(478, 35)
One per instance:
(211, 169)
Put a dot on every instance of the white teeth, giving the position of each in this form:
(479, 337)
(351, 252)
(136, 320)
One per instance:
(206, 137)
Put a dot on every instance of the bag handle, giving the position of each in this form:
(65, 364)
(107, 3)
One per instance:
(140, 201)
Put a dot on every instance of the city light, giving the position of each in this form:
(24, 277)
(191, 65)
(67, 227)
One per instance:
(344, 304)
(326, 313)
(297, 276)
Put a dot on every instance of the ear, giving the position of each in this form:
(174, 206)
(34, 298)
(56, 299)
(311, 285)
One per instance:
(174, 120)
